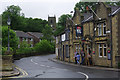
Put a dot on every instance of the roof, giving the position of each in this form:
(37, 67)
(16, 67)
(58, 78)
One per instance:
(36, 34)
(115, 9)
(22, 34)
(87, 17)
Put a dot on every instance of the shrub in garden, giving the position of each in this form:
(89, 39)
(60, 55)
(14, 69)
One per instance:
(5, 49)
(24, 49)
(43, 47)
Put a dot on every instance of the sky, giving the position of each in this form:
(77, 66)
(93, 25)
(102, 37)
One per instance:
(41, 8)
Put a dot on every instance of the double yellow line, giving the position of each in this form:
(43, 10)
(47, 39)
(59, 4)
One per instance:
(24, 73)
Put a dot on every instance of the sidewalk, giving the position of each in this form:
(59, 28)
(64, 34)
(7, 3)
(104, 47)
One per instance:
(5, 74)
(91, 67)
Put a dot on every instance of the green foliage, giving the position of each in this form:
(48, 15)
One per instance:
(61, 23)
(43, 47)
(47, 33)
(19, 22)
(4, 50)
(24, 48)
(62, 19)
(12, 38)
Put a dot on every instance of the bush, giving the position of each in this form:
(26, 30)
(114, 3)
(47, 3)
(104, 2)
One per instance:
(43, 47)
(24, 49)
(5, 49)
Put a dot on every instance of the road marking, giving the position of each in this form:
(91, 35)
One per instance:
(84, 75)
(33, 62)
(42, 65)
(53, 67)
(24, 73)
(47, 66)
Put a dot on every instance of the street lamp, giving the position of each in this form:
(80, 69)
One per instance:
(8, 22)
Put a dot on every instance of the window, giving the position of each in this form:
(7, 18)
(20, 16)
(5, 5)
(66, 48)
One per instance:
(26, 39)
(56, 51)
(100, 50)
(67, 35)
(67, 51)
(23, 39)
(31, 45)
(104, 29)
(88, 49)
(99, 29)
(18, 45)
(56, 40)
(31, 39)
(51, 21)
(104, 50)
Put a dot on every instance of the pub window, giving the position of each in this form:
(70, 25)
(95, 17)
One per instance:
(67, 51)
(100, 50)
(104, 50)
(104, 29)
(99, 29)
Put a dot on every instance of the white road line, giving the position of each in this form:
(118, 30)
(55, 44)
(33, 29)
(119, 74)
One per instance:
(42, 65)
(84, 75)
(53, 67)
(33, 62)
(47, 66)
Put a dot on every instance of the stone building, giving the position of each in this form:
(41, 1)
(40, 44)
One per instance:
(24, 37)
(67, 43)
(37, 37)
(100, 36)
(52, 22)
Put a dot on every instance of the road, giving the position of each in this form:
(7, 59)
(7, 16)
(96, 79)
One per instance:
(41, 67)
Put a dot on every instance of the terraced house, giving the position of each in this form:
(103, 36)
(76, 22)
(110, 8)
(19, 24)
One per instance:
(96, 33)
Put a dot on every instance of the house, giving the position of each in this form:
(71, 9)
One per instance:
(37, 37)
(67, 43)
(96, 35)
(24, 37)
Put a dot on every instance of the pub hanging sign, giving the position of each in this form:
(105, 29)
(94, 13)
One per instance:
(79, 30)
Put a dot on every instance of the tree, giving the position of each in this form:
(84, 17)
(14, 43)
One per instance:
(47, 33)
(61, 23)
(43, 46)
(13, 39)
(62, 19)
(19, 22)
(14, 12)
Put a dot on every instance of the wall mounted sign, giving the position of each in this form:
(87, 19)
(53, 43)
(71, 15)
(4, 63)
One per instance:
(79, 30)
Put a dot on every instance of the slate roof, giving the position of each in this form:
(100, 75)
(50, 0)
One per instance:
(115, 9)
(87, 17)
(22, 34)
(36, 34)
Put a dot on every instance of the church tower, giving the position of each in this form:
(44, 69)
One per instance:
(52, 22)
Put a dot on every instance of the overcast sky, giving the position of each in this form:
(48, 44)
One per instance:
(41, 8)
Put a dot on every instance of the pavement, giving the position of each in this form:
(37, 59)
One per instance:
(6, 74)
(91, 67)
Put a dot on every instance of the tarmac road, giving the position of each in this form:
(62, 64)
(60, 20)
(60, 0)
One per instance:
(40, 67)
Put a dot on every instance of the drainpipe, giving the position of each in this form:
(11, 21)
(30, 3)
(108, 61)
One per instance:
(111, 40)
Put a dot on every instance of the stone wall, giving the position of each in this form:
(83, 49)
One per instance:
(7, 63)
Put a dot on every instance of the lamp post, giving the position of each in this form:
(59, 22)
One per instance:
(8, 22)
